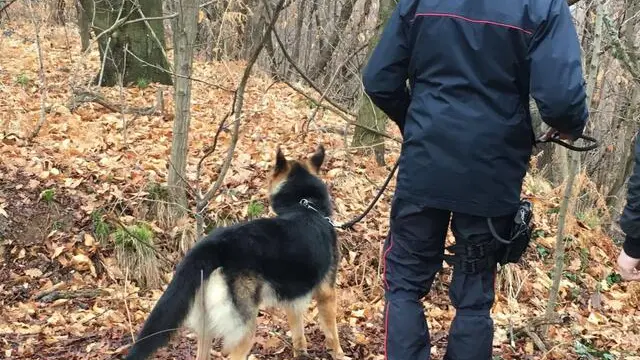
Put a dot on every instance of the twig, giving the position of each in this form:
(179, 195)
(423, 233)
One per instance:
(84, 96)
(104, 60)
(212, 148)
(183, 179)
(147, 19)
(83, 293)
(181, 76)
(208, 3)
(119, 21)
(536, 339)
(43, 80)
(530, 329)
(335, 75)
(208, 152)
(122, 103)
(237, 109)
(304, 76)
(340, 114)
(126, 305)
(4, 8)
(153, 33)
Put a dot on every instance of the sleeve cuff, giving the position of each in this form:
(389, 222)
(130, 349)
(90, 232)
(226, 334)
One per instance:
(631, 247)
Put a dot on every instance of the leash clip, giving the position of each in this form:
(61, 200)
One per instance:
(307, 204)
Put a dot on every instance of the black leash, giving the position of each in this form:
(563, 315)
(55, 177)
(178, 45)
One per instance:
(556, 140)
(553, 139)
(349, 224)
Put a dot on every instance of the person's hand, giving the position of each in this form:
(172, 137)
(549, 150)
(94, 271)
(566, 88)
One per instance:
(628, 267)
(551, 133)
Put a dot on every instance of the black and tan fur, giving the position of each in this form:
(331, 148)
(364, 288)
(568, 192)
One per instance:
(282, 261)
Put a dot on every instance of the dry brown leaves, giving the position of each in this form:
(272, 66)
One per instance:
(63, 295)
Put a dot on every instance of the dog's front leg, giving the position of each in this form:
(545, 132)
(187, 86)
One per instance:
(296, 324)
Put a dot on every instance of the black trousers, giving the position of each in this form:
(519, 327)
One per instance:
(413, 254)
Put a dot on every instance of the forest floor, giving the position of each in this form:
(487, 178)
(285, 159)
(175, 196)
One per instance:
(63, 294)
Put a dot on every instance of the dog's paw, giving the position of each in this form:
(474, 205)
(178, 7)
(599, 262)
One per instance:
(300, 352)
(339, 355)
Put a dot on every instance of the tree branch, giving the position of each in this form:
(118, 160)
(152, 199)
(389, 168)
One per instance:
(622, 51)
(335, 75)
(43, 79)
(304, 76)
(153, 33)
(6, 6)
(237, 110)
(84, 96)
(146, 19)
(339, 113)
(179, 75)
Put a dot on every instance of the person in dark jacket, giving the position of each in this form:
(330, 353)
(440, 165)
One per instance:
(456, 76)
(629, 258)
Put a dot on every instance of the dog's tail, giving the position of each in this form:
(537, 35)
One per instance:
(175, 303)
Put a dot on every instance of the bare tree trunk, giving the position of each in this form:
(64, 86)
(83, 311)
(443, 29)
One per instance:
(626, 165)
(57, 11)
(83, 25)
(126, 39)
(326, 53)
(185, 28)
(295, 53)
(41, 75)
(563, 216)
(568, 200)
(368, 114)
(254, 27)
(613, 196)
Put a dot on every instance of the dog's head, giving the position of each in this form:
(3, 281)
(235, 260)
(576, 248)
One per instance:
(294, 179)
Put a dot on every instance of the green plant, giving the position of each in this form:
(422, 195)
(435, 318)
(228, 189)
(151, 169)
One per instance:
(590, 218)
(571, 276)
(554, 210)
(613, 278)
(48, 195)
(142, 83)
(58, 224)
(586, 351)
(255, 209)
(134, 237)
(22, 79)
(537, 233)
(101, 229)
(135, 252)
(584, 259)
(542, 251)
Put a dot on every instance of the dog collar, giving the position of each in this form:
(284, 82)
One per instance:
(307, 204)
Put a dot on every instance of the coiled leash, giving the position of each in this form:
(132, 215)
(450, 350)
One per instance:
(556, 139)
(511, 251)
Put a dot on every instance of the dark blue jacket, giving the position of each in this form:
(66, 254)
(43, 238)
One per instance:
(471, 66)
(630, 219)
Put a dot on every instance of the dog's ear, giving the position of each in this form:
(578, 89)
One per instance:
(281, 162)
(317, 158)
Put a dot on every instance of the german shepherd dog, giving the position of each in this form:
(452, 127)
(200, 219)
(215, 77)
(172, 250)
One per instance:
(282, 261)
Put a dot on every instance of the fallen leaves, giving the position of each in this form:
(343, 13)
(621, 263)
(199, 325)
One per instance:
(84, 156)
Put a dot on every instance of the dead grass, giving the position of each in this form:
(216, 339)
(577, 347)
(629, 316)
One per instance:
(136, 254)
